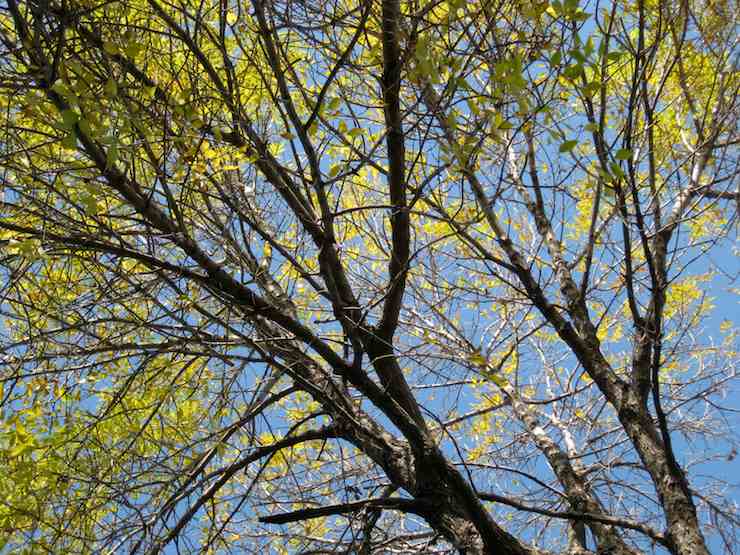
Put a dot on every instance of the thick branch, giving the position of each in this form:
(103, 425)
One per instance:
(416, 506)
(391, 82)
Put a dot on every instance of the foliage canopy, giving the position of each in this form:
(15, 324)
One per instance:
(418, 276)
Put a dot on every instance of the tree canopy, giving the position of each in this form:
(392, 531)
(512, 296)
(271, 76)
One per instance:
(354, 276)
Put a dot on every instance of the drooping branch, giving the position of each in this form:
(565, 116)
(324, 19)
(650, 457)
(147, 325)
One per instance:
(238, 466)
(582, 517)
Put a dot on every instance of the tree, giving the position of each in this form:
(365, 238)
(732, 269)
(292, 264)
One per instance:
(368, 277)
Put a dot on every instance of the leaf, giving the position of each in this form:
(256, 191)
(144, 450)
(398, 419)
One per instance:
(110, 47)
(591, 88)
(70, 142)
(573, 71)
(497, 379)
(111, 88)
(84, 126)
(616, 170)
(133, 49)
(578, 55)
(567, 146)
(231, 18)
(69, 119)
(111, 156)
(478, 359)
(91, 204)
(623, 154)
(21, 449)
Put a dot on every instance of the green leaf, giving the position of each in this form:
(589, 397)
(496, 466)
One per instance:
(591, 88)
(567, 146)
(110, 47)
(589, 48)
(111, 156)
(623, 154)
(132, 49)
(578, 55)
(70, 141)
(616, 170)
(60, 88)
(91, 204)
(69, 119)
(473, 107)
(573, 71)
(85, 127)
(111, 88)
